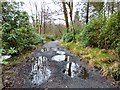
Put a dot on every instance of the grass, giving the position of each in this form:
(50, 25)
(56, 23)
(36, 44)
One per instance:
(105, 60)
(48, 38)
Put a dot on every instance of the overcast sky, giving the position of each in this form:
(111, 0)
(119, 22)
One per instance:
(51, 6)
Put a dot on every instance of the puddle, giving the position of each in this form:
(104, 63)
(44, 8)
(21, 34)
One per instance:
(60, 52)
(54, 48)
(73, 70)
(60, 58)
(44, 49)
(40, 71)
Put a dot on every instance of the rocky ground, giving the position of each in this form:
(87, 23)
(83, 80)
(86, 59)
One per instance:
(52, 66)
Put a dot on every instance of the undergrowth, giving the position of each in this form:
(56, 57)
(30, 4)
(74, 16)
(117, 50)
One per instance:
(105, 60)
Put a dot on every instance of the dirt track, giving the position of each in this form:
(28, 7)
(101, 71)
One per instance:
(52, 66)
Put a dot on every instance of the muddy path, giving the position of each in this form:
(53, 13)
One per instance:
(52, 66)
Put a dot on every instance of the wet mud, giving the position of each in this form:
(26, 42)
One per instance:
(52, 66)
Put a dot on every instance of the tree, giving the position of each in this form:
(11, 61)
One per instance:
(87, 12)
(65, 15)
(77, 18)
(41, 15)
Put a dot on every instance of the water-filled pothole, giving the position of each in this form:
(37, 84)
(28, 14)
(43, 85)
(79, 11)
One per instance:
(44, 49)
(60, 52)
(72, 69)
(40, 71)
(54, 48)
(60, 58)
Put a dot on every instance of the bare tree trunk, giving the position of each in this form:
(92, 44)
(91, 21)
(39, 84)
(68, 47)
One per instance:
(108, 6)
(70, 5)
(36, 17)
(44, 21)
(39, 26)
(32, 14)
(41, 22)
(87, 13)
(71, 10)
(112, 8)
(41, 19)
(65, 15)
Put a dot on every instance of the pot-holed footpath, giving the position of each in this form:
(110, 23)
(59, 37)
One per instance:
(52, 66)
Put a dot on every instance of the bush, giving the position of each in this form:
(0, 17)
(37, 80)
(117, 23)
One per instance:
(101, 33)
(110, 34)
(49, 37)
(91, 32)
(17, 32)
(68, 37)
(20, 39)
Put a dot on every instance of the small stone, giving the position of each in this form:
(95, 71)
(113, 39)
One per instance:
(6, 81)
(50, 80)
(66, 86)
(46, 88)
(113, 83)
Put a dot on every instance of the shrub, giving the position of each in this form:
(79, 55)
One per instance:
(49, 37)
(68, 37)
(17, 32)
(110, 33)
(101, 33)
(91, 31)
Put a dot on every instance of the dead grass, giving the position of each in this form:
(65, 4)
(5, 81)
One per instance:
(106, 60)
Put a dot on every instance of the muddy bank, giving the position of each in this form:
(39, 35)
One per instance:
(52, 66)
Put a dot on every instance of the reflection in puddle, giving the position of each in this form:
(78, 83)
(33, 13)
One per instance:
(44, 49)
(60, 58)
(73, 70)
(60, 52)
(40, 71)
(54, 48)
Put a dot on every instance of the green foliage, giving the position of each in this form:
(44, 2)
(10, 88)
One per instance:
(78, 37)
(12, 50)
(118, 49)
(68, 37)
(110, 34)
(49, 38)
(101, 33)
(3, 62)
(104, 36)
(90, 34)
(17, 32)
